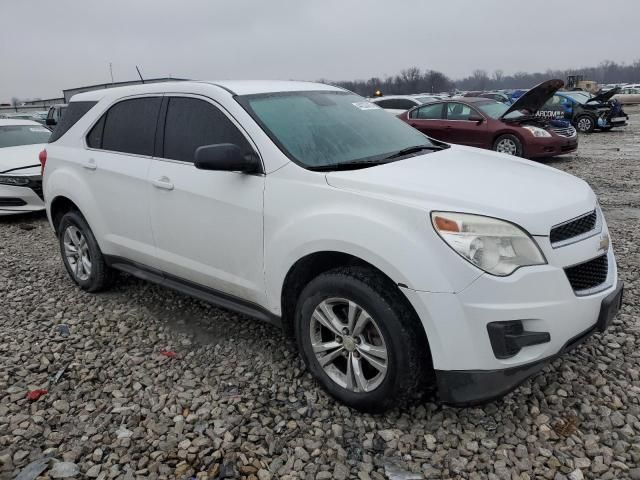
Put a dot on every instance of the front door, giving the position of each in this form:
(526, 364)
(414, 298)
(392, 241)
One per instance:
(208, 225)
(462, 129)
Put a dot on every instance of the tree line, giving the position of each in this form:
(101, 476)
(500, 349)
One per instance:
(415, 80)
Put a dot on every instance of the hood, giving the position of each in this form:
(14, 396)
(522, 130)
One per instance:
(18, 157)
(533, 100)
(604, 97)
(471, 180)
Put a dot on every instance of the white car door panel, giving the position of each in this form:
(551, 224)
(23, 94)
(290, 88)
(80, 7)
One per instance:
(207, 225)
(117, 166)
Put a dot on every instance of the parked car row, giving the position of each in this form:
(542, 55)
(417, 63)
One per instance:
(512, 129)
(398, 263)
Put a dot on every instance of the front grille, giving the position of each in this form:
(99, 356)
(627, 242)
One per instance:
(573, 228)
(565, 132)
(11, 202)
(587, 275)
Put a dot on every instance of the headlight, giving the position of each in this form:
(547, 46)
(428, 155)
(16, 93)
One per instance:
(15, 181)
(492, 245)
(537, 131)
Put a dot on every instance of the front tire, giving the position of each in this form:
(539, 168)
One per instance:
(585, 124)
(81, 254)
(361, 341)
(509, 144)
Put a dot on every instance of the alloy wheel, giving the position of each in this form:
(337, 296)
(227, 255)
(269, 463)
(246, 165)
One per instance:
(584, 124)
(508, 146)
(76, 251)
(348, 345)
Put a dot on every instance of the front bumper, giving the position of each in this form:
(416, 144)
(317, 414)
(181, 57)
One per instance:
(539, 147)
(540, 298)
(472, 387)
(20, 199)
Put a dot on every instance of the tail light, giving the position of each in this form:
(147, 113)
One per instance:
(42, 156)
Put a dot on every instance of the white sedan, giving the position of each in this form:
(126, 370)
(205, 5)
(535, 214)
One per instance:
(20, 173)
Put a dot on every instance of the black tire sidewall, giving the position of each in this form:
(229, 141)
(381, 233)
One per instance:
(98, 266)
(513, 138)
(327, 286)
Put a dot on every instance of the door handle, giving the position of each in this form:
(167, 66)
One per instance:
(90, 164)
(163, 182)
(448, 127)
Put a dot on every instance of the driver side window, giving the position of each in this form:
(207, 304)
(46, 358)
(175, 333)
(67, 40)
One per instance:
(193, 123)
(458, 111)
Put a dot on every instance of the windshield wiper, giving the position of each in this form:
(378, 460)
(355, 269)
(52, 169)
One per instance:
(414, 149)
(347, 165)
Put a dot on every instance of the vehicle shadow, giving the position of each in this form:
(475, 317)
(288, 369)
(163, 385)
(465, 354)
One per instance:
(22, 218)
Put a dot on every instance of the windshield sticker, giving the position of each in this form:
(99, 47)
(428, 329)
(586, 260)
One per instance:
(365, 106)
(39, 130)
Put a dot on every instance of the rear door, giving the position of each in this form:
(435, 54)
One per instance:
(208, 225)
(460, 129)
(116, 165)
(428, 119)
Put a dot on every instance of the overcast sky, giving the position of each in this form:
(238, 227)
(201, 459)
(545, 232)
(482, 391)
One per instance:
(46, 45)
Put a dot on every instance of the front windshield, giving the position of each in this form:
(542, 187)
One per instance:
(16, 135)
(497, 109)
(326, 128)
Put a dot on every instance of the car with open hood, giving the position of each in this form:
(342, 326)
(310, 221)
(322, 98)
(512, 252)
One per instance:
(396, 263)
(20, 182)
(485, 123)
(586, 112)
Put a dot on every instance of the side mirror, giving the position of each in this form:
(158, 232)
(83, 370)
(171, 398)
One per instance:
(50, 121)
(225, 157)
(474, 117)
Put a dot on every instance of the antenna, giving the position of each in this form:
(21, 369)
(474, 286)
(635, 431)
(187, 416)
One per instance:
(142, 79)
(111, 71)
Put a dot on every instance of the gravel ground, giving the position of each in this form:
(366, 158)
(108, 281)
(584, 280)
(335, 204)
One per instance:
(236, 402)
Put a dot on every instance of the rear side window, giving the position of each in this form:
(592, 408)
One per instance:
(74, 112)
(428, 112)
(128, 127)
(192, 123)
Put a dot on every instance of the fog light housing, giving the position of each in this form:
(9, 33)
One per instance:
(509, 337)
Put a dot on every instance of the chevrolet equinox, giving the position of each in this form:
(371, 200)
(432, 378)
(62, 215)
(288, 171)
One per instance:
(398, 263)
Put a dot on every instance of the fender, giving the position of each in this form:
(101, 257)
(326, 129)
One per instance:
(396, 239)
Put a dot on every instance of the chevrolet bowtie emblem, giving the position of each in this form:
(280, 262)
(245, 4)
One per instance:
(604, 243)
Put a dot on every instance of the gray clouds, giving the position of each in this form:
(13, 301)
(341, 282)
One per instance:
(46, 46)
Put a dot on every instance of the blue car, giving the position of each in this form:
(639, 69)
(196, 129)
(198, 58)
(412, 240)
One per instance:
(587, 113)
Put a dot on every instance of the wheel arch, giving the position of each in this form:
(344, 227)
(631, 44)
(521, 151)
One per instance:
(59, 206)
(316, 263)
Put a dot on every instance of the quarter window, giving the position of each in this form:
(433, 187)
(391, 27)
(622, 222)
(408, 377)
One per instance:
(428, 112)
(129, 127)
(193, 123)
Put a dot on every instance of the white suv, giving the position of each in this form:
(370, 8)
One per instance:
(395, 261)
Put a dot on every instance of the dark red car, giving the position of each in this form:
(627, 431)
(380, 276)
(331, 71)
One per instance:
(484, 123)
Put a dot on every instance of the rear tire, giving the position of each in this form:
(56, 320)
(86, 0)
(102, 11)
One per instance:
(361, 340)
(509, 144)
(585, 124)
(81, 254)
